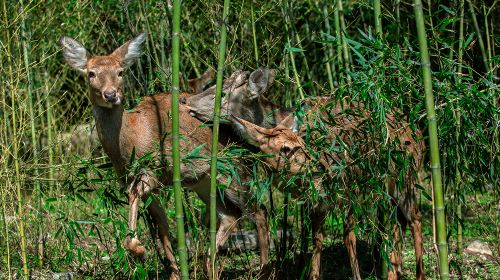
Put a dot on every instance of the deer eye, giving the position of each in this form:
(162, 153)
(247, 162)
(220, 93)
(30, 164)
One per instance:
(120, 73)
(91, 74)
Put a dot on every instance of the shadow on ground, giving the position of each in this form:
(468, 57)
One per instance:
(334, 263)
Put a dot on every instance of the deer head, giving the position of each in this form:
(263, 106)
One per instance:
(241, 96)
(288, 149)
(104, 73)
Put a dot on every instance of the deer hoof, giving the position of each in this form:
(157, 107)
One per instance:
(134, 246)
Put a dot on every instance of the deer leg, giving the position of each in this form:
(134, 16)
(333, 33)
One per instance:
(133, 244)
(395, 256)
(350, 243)
(318, 217)
(160, 219)
(416, 229)
(226, 226)
(140, 187)
(263, 231)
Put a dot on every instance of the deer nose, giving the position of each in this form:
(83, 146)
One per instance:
(110, 95)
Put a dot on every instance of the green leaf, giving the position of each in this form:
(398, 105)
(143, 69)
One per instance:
(423, 192)
(195, 153)
(294, 50)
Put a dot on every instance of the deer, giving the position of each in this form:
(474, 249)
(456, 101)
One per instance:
(132, 134)
(276, 131)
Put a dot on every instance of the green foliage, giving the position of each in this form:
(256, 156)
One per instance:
(74, 206)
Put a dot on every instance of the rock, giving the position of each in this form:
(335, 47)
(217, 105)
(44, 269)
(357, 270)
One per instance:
(62, 276)
(480, 249)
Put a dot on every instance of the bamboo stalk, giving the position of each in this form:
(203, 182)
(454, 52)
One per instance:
(377, 14)
(6, 257)
(163, 76)
(495, 69)
(479, 37)
(50, 123)
(490, 78)
(330, 67)
(6, 233)
(458, 178)
(255, 48)
(292, 56)
(434, 145)
(29, 84)
(398, 20)
(176, 139)
(15, 147)
(378, 18)
(5, 170)
(487, 35)
(215, 138)
(343, 37)
(289, 18)
(336, 20)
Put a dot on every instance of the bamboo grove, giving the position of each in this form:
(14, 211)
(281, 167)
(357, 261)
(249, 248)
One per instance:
(435, 62)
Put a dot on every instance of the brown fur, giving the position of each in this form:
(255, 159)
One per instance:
(291, 154)
(255, 118)
(146, 129)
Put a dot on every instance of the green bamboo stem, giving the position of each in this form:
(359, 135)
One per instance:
(288, 22)
(215, 139)
(336, 20)
(378, 18)
(479, 37)
(458, 178)
(255, 47)
(6, 255)
(50, 129)
(25, 46)
(434, 145)
(343, 31)
(15, 148)
(176, 140)
(295, 73)
(6, 232)
(330, 67)
(490, 78)
(487, 35)
(288, 93)
(292, 58)
(495, 69)
(146, 19)
(398, 20)
(377, 15)
(163, 56)
(5, 170)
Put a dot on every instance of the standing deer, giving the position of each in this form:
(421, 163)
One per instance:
(251, 113)
(124, 134)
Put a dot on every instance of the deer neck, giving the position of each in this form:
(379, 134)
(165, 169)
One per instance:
(272, 114)
(109, 126)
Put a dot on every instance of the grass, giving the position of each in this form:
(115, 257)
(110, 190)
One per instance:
(102, 251)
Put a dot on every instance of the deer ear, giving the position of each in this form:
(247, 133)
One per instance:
(252, 133)
(260, 80)
(288, 122)
(74, 53)
(131, 50)
(237, 79)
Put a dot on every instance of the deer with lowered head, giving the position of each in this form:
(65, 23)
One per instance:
(255, 119)
(144, 130)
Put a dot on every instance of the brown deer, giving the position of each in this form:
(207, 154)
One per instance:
(141, 131)
(285, 142)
